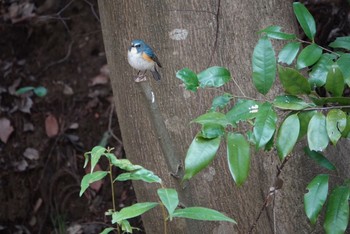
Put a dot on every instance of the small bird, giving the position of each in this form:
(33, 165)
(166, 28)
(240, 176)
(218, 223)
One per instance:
(142, 58)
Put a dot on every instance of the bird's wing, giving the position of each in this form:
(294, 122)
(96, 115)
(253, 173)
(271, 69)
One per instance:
(149, 55)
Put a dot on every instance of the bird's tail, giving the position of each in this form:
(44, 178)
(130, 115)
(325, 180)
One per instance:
(155, 74)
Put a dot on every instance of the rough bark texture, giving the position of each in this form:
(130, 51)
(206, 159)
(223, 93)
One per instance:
(219, 33)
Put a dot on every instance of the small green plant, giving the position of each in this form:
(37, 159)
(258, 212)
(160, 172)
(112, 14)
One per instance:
(280, 123)
(39, 91)
(169, 200)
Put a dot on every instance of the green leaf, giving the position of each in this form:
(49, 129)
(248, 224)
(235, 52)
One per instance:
(264, 65)
(210, 131)
(126, 227)
(132, 211)
(290, 102)
(107, 230)
(316, 197)
(320, 159)
(221, 101)
(243, 110)
(319, 72)
(331, 100)
(169, 198)
(24, 90)
(317, 133)
(189, 78)
(341, 42)
(275, 33)
(212, 118)
(40, 91)
(337, 212)
(343, 63)
(335, 81)
(305, 20)
(201, 213)
(309, 56)
(292, 81)
(200, 154)
(90, 178)
(289, 52)
(287, 135)
(140, 174)
(214, 77)
(346, 132)
(335, 123)
(238, 157)
(126, 165)
(304, 118)
(265, 125)
(96, 154)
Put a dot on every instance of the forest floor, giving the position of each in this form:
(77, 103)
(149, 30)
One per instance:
(56, 45)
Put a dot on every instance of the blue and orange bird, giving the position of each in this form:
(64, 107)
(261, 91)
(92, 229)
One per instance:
(142, 58)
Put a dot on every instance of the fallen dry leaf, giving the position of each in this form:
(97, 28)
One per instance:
(99, 79)
(51, 126)
(105, 70)
(25, 105)
(6, 129)
(31, 154)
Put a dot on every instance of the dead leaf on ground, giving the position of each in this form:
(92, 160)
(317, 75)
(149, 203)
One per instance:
(99, 79)
(31, 154)
(51, 126)
(6, 129)
(25, 105)
(105, 70)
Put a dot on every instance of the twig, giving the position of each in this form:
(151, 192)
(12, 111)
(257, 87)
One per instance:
(308, 42)
(92, 10)
(326, 108)
(217, 14)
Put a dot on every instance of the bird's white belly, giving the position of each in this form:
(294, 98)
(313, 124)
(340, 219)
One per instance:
(136, 61)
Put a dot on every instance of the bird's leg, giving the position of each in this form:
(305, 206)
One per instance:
(140, 77)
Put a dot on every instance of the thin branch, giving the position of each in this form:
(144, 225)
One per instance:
(92, 9)
(308, 42)
(326, 108)
(216, 32)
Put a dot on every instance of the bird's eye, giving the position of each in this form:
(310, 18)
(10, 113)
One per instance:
(137, 45)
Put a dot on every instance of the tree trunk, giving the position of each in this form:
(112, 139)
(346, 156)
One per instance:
(155, 117)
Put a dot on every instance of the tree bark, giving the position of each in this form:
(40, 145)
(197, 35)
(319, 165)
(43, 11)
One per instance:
(198, 34)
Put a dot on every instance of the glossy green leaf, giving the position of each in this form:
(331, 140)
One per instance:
(107, 230)
(140, 174)
(335, 123)
(343, 63)
(264, 65)
(275, 33)
(189, 78)
(341, 43)
(132, 211)
(335, 81)
(201, 213)
(221, 101)
(320, 159)
(289, 53)
(287, 135)
(305, 20)
(214, 77)
(212, 118)
(265, 125)
(317, 133)
(40, 91)
(304, 118)
(90, 178)
(200, 154)
(330, 100)
(337, 212)
(243, 110)
(315, 198)
(24, 90)
(319, 72)
(238, 157)
(126, 227)
(290, 102)
(309, 56)
(169, 198)
(96, 154)
(125, 164)
(346, 132)
(292, 81)
(210, 130)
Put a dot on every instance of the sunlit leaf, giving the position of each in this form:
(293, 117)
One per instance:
(335, 81)
(289, 53)
(201, 213)
(317, 133)
(290, 102)
(292, 81)
(341, 42)
(199, 155)
(238, 157)
(309, 56)
(305, 20)
(320, 159)
(214, 77)
(265, 125)
(243, 110)
(287, 135)
(264, 65)
(24, 90)
(90, 178)
(337, 212)
(132, 211)
(189, 78)
(169, 198)
(107, 230)
(40, 91)
(336, 123)
(315, 198)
